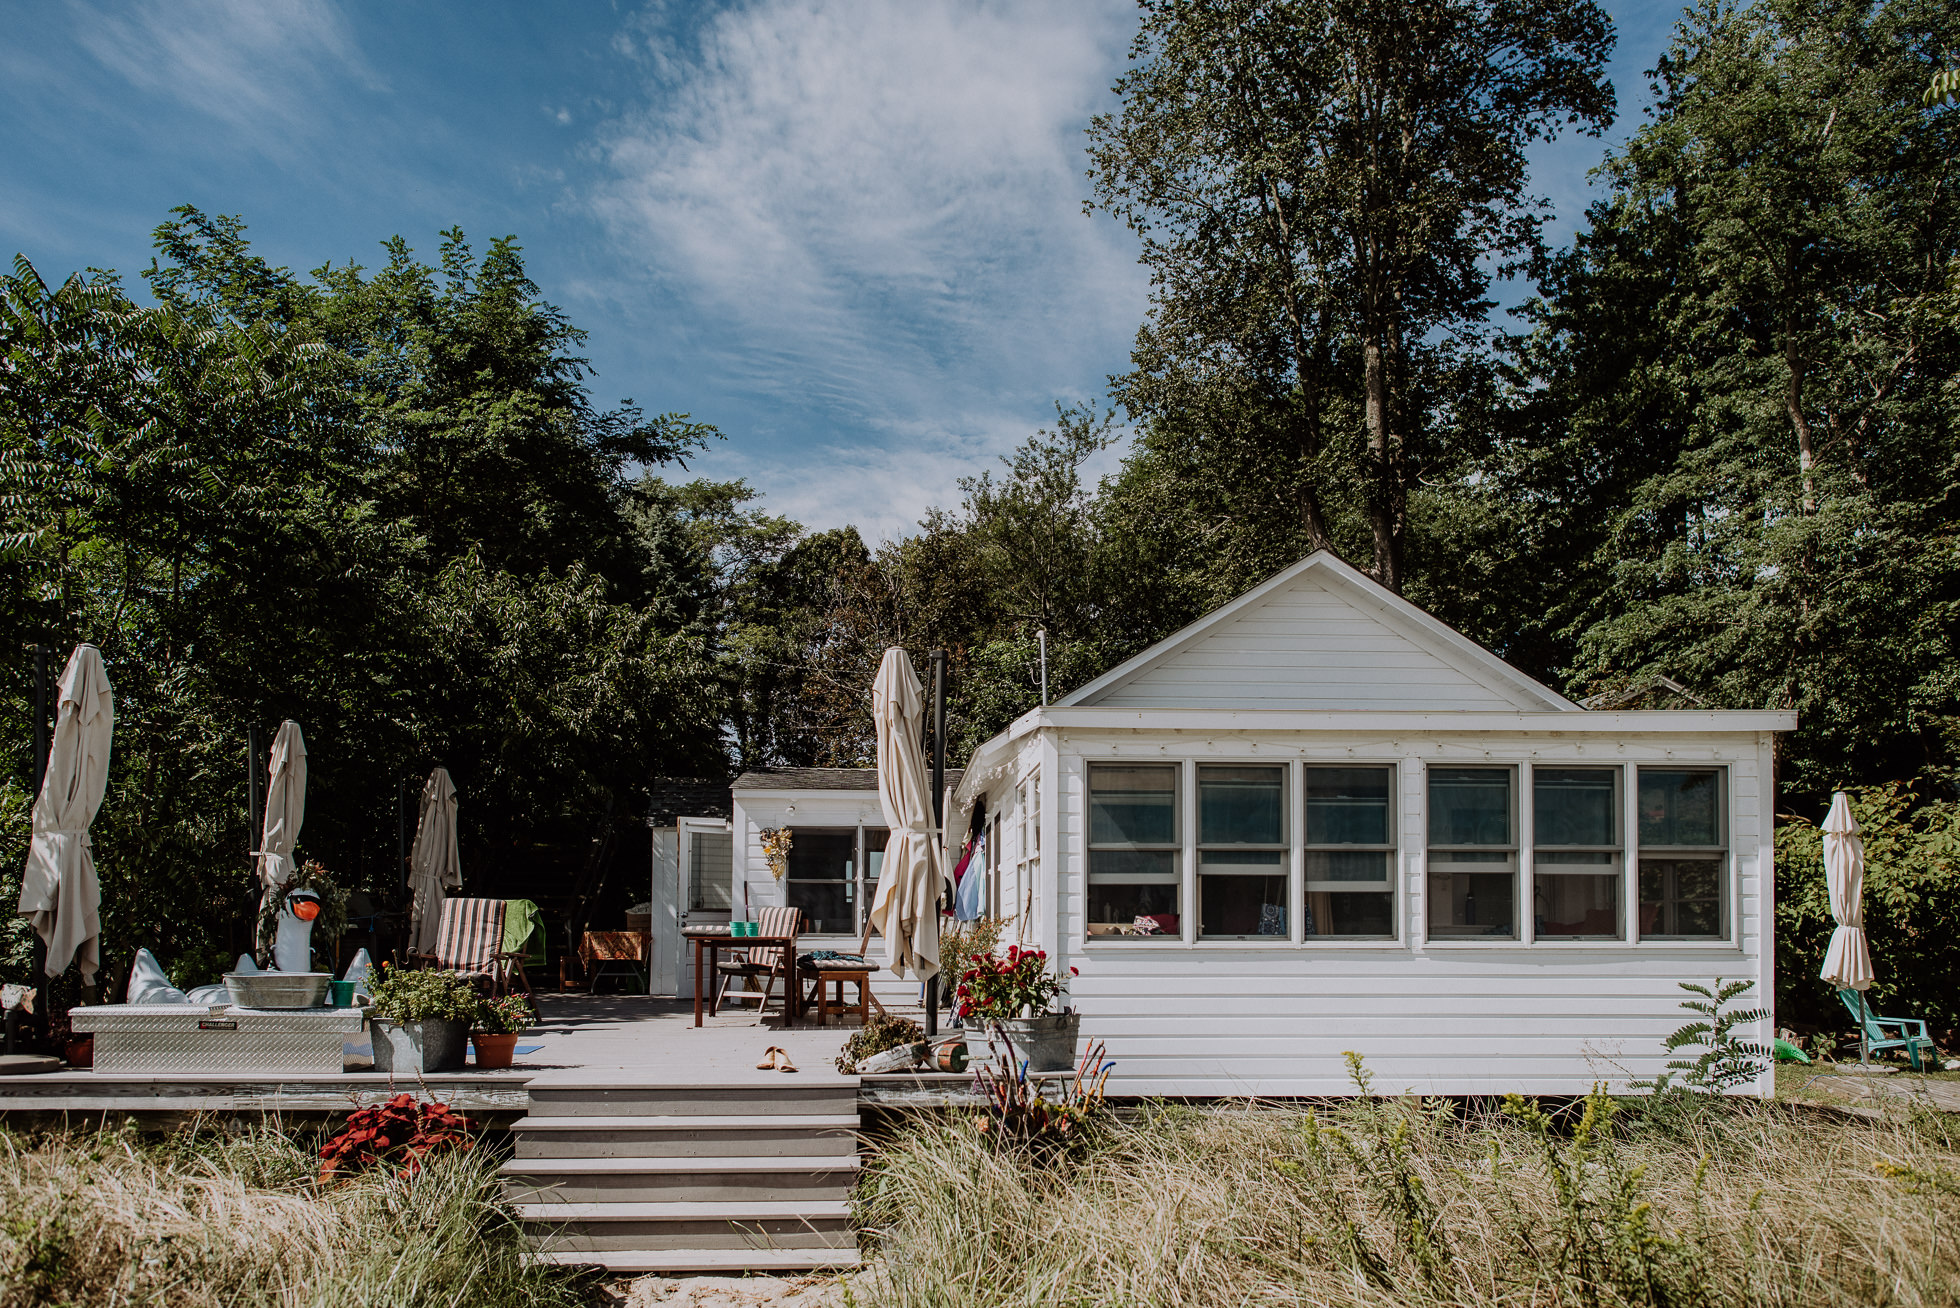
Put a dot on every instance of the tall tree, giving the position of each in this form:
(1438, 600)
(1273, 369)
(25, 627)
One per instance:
(1324, 189)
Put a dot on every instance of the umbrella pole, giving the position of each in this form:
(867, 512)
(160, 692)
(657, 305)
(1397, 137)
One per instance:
(42, 694)
(938, 812)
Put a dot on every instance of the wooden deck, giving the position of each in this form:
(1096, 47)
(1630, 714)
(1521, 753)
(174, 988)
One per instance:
(577, 1037)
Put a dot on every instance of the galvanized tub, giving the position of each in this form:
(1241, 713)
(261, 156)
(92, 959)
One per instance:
(188, 1039)
(278, 989)
(1045, 1044)
(423, 1046)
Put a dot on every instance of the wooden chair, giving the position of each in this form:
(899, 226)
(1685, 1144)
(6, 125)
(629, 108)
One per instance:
(470, 942)
(769, 965)
(1912, 1032)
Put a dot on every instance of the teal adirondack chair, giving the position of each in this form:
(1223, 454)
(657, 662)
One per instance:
(1910, 1040)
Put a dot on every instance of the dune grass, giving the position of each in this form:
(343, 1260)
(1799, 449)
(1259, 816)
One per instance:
(1377, 1202)
(236, 1221)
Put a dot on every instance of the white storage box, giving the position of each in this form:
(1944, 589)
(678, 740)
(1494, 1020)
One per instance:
(163, 1039)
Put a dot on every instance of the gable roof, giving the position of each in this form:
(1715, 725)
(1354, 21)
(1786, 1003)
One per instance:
(778, 779)
(1319, 635)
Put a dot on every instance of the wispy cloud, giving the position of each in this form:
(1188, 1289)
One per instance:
(873, 211)
(264, 70)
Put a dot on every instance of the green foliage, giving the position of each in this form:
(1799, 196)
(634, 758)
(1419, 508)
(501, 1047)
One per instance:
(424, 994)
(994, 989)
(1911, 901)
(505, 1015)
(1724, 1061)
(882, 1032)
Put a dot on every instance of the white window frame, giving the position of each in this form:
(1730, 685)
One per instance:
(1184, 811)
(1724, 855)
(1517, 849)
(1529, 860)
(1393, 850)
(1288, 866)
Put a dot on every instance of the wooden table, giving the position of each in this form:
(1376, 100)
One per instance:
(711, 943)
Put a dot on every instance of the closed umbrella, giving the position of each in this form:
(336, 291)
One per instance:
(1848, 962)
(905, 910)
(285, 809)
(59, 894)
(434, 866)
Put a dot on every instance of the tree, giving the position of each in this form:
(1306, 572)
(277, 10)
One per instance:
(1750, 362)
(1323, 188)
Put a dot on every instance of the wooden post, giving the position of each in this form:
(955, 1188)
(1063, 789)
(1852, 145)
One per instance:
(938, 808)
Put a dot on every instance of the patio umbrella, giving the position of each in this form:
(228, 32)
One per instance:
(434, 866)
(59, 894)
(285, 808)
(1848, 962)
(905, 910)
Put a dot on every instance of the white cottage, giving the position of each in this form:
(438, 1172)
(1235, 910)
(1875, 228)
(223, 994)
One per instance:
(1319, 820)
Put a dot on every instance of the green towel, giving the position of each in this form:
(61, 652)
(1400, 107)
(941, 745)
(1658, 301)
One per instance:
(524, 930)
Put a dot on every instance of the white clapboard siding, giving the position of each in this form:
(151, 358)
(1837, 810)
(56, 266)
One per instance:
(1306, 646)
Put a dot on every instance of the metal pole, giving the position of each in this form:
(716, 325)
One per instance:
(1041, 640)
(1864, 1032)
(43, 693)
(938, 804)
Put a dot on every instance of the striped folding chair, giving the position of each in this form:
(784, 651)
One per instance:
(470, 942)
(764, 965)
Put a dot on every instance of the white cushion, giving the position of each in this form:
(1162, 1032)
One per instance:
(149, 984)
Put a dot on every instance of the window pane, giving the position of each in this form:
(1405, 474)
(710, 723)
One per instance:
(1159, 865)
(1473, 904)
(1347, 806)
(1260, 861)
(1351, 914)
(1680, 807)
(1680, 897)
(1242, 906)
(1364, 866)
(711, 871)
(1114, 909)
(1240, 806)
(821, 854)
(1573, 806)
(1469, 806)
(1133, 805)
(1572, 905)
(823, 904)
(875, 840)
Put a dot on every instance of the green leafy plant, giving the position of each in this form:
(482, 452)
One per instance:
(328, 927)
(404, 1132)
(882, 1032)
(999, 989)
(424, 995)
(1724, 1061)
(507, 1015)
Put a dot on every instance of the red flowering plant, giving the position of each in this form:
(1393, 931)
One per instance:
(999, 989)
(403, 1131)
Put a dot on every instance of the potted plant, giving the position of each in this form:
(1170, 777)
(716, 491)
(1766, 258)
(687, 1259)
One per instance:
(421, 1019)
(497, 1026)
(1012, 995)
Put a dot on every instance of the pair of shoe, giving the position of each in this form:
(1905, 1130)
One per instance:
(775, 1057)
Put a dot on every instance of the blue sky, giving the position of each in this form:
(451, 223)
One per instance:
(850, 235)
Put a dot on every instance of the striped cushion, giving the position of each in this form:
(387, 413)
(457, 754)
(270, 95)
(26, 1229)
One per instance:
(471, 931)
(777, 920)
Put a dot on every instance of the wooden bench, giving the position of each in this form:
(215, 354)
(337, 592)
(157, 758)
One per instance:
(861, 975)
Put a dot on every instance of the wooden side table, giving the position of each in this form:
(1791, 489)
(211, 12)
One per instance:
(866, 1000)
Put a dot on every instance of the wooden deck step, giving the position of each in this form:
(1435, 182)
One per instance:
(639, 1098)
(610, 1227)
(667, 1262)
(656, 1180)
(689, 1135)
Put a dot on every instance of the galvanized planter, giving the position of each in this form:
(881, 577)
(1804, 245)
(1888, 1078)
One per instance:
(436, 1045)
(1045, 1044)
(278, 989)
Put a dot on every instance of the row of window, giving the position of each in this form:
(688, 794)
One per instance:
(1244, 841)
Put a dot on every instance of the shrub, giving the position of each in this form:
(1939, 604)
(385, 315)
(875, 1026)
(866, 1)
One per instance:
(1912, 910)
(404, 1131)
(505, 1016)
(1724, 1061)
(882, 1032)
(424, 995)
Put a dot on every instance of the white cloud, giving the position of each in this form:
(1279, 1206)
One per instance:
(266, 70)
(872, 211)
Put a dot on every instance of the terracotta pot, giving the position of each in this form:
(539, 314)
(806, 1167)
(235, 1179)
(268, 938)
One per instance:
(494, 1050)
(80, 1051)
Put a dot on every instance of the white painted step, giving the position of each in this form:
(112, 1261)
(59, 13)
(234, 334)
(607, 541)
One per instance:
(619, 1097)
(648, 1262)
(691, 1135)
(602, 1227)
(676, 1180)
